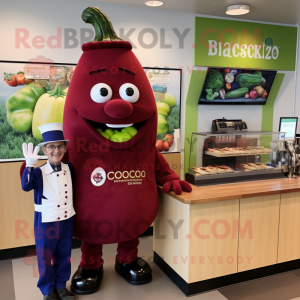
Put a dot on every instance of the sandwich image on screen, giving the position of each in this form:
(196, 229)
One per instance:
(236, 86)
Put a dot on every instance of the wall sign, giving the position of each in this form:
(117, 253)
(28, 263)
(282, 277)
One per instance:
(237, 44)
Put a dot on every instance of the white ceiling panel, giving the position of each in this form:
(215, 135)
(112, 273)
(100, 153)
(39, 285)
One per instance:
(275, 11)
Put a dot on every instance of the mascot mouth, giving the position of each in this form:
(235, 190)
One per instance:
(115, 135)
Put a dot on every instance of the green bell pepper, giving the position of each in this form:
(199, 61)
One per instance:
(20, 106)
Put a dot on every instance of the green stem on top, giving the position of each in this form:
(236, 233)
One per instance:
(103, 27)
(57, 92)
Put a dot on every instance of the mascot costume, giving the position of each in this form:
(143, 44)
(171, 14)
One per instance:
(110, 118)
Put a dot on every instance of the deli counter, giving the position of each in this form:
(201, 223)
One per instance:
(235, 156)
(241, 220)
(228, 233)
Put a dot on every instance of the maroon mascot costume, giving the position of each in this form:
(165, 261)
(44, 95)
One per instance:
(110, 119)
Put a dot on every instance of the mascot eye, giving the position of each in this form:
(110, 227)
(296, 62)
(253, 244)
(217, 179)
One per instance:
(129, 92)
(101, 92)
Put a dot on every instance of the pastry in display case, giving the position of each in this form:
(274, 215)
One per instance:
(235, 156)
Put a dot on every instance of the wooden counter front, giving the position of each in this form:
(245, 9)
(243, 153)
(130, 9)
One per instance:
(229, 191)
(17, 206)
(226, 234)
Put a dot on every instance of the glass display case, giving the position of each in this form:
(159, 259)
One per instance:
(235, 156)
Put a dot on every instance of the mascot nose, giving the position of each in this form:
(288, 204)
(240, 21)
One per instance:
(118, 108)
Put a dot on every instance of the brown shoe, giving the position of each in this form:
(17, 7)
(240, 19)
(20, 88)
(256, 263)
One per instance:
(64, 294)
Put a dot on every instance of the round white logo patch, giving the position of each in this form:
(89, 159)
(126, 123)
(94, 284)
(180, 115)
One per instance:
(98, 177)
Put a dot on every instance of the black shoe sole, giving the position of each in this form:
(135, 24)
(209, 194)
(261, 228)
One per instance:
(88, 292)
(84, 292)
(134, 282)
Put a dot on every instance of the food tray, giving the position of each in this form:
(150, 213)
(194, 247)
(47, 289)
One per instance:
(262, 167)
(238, 153)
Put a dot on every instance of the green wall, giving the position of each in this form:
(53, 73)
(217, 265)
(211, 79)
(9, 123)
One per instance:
(268, 108)
(281, 40)
(191, 111)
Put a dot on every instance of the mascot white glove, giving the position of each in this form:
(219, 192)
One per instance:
(30, 155)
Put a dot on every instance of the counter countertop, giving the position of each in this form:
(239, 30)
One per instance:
(212, 193)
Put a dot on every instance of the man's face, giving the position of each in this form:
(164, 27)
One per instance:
(55, 151)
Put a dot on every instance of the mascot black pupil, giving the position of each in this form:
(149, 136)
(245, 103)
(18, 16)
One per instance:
(129, 91)
(103, 92)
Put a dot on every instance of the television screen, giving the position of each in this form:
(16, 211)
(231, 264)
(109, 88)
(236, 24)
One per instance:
(236, 86)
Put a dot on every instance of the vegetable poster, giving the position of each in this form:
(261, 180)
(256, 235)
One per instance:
(29, 98)
(166, 84)
(33, 95)
(236, 86)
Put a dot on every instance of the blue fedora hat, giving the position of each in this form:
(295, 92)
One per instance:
(52, 132)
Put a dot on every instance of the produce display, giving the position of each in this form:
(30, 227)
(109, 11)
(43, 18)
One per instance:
(165, 143)
(167, 119)
(224, 85)
(25, 104)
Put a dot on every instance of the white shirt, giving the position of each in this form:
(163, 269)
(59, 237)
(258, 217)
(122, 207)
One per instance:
(57, 200)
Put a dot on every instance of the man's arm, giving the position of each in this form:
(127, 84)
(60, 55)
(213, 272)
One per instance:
(71, 170)
(28, 179)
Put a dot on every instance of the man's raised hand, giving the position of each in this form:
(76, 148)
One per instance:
(31, 155)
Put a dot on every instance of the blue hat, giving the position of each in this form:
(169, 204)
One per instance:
(52, 132)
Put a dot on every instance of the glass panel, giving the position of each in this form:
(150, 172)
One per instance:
(235, 152)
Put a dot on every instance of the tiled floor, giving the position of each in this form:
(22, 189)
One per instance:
(18, 279)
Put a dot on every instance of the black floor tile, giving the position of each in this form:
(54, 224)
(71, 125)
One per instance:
(7, 281)
(279, 287)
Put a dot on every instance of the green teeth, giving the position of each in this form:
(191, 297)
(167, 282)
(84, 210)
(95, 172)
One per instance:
(117, 136)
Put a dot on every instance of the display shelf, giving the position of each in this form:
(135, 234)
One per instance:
(216, 171)
(248, 155)
(241, 132)
(230, 154)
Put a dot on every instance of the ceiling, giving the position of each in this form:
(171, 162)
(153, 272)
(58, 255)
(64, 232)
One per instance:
(275, 11)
